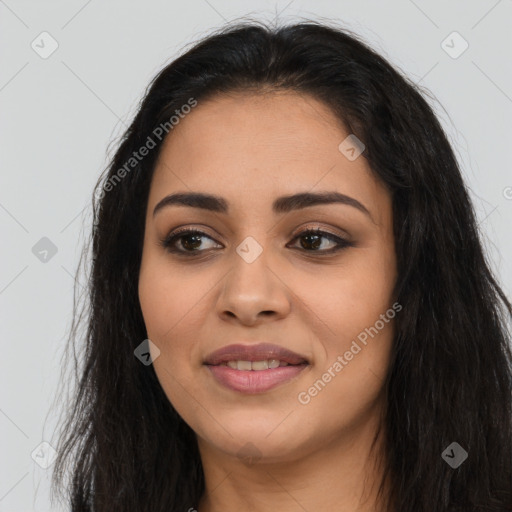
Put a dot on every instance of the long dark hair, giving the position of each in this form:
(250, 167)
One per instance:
(124, 446)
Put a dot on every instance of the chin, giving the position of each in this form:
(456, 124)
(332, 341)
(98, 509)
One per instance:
(259, 441)
(261, 451)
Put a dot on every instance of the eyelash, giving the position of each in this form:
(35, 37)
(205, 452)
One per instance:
(169, 242)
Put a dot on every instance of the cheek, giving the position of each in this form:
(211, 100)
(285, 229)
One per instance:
(174, 305)
(170, 307)
(349, 377)
(163, 309)
(355, 306)
(352, 297)
(168, 300)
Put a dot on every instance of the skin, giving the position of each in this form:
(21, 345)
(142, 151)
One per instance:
(251, 149)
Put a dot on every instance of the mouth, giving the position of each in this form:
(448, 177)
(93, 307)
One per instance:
(254, 368)
(260, 353)
(265, 364)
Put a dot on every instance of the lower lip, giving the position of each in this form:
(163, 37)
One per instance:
(254, 381)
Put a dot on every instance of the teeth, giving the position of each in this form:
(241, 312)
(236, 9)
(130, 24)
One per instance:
(255, 365)
(243, 365)
(259, 365)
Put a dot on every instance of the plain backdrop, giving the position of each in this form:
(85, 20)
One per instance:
(61, 110)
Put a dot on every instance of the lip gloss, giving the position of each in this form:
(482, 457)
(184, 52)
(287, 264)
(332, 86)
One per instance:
(254, 381)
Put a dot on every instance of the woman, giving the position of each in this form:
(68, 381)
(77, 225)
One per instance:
(290, 307)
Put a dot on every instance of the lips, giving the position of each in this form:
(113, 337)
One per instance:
(259, 352)
(253, 369)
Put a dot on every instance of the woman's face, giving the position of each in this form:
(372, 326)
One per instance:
(254, 275)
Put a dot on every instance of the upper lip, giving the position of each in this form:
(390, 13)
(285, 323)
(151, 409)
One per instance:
(258, 352)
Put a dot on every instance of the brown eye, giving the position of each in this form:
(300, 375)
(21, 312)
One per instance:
(189, 239)
(190, 242)
(311, 240)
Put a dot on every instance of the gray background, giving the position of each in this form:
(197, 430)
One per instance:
(59, 114)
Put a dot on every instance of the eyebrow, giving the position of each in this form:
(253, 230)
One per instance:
(281, 205)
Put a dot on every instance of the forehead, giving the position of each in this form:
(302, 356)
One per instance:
(260, 145)
(239, 125)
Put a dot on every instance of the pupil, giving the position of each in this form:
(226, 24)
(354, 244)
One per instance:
(191, 246)
(316, 243)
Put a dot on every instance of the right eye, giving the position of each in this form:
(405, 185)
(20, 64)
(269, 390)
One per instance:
(189, 239)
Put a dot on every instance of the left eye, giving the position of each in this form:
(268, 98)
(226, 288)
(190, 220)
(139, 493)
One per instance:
(314, 237)
(311, 241)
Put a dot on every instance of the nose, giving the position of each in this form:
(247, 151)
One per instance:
(253, 293)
